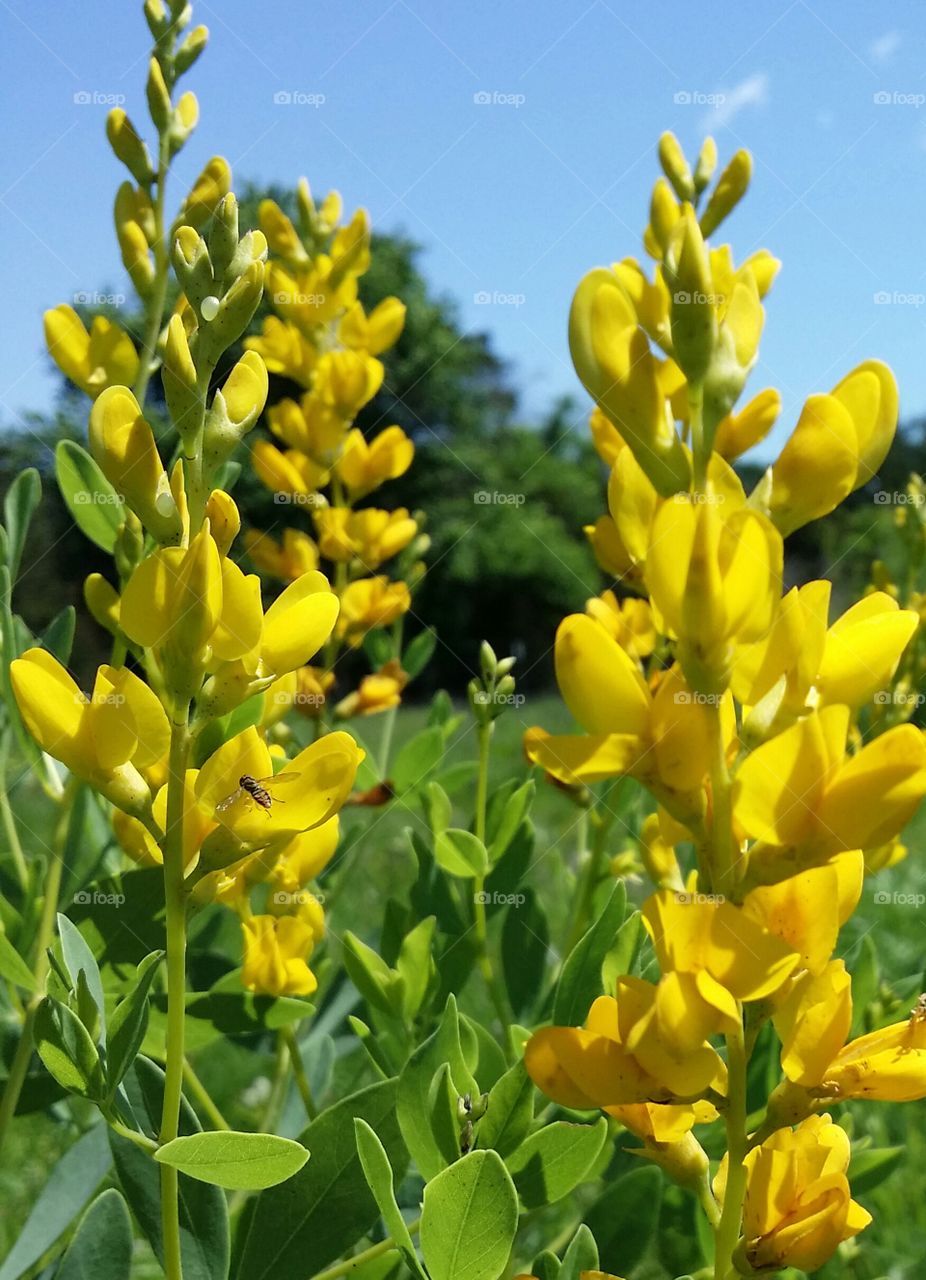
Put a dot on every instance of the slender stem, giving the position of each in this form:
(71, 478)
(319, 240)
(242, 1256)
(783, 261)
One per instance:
(11, 830)
(480, 919)
(175, 900)
(389, 718)
(146, 1144)
(299, 1073)
(203, 1097)
(20, 1065)
(700, 454)
(374, 1251)
(707, 1201)
(154, 304)
(723, 871)
(602, 819)
(729, 1227)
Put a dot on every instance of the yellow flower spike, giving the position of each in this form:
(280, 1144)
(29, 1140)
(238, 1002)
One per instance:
(376, 332)
(103, 739)
(123, 445)
(873, 409)
(730, 189)
(371, 535)
(347, 380)
(364, 465)
(370, 603)
(798, 790)
(288, 559)
(288, 473)
(377, 692)
(305, 857)
(812, 1022)
(798, 1207)
(128, 146)
(888, 1065)
(209, 189)
(275, 956)
(612, 357)
(224, 519)
(282, 237)
(807, 910)
(863, 649)
(739, 432)
(285, 350)
(629, 622)
(734, 950)
(298, 623)
(94, 361)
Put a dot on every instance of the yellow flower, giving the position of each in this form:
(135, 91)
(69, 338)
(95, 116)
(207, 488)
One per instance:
(799, 790)
(285, 350)
(108, 738)
(346, 381)
(629, 622)
(813, 1021)
(305, 857)
(887, 1065)
(276, 951)
(311, 426)
(308, 297)
(377, 692)
(288, 559)
(375, 332)
(738, 432)
(370, 603)
(714, 576)
(290, 473)
(364, 465)
(798, 1205)
(606, 438)
(370, 535)
(104, 357)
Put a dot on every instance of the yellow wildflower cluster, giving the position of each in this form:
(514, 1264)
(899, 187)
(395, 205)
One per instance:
(737, 707)
(322, 339)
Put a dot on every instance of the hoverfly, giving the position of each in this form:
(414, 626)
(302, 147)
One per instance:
(258, 790)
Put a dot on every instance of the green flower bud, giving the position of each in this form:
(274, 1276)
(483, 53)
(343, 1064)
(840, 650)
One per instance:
(193, 265)
(178, 375)
(693, 313)
(156, 17)
(223, 236)
(730, 189)
(234, 314)
(128, 146)
(707, 163)
(158, 96)
(488, 662)
(190, 50)
(675, 166)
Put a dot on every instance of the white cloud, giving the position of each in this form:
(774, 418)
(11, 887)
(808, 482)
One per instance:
(751, 92)
(884, 48)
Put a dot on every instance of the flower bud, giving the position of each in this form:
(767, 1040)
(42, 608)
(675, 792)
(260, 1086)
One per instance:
(730, 189)
(193, 265)
(128, 146)
(675, 166)
(707, 163)
(224, 519)
(223, 236)
(235, 409)
(123, 446)
(693, 316)
(234, 313)
(183, 121)
(212, 184)
(190, 50)
(158, 97)
(178, 375)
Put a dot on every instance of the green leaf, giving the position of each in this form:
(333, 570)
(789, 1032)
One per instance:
(420, 755)
(580, 981)
(378, 1172)
(64, 1045)
(415, 965)
(218, 731)
(78, 958)
(437, 807)
(868, 1169)
(620, 958)
(379, 647)
(460, 853)
(88, 495)
(13, 967)
(582, 1255)
(515, 810)
(469, 1219)
(22, 498)
(300, 1227)
(525, 946)
(419, 652)
(373, 978)
(129, 1022)
(414, 1089)
(236, 1161)
(203, 1211)
(101, 1247)
(866, 979)
(58, 636)
(510, 1112)
(624, 1220)
(554, 1160)
(442, 1115)
(72, 1182)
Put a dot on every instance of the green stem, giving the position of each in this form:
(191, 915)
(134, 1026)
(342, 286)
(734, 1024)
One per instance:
(175, 900)
(731, 1217)
(11, 830)
(203, 1097)
(723, 870)
(480, 919)
(154, 304)
(20, 1065)
(299, 1073)
(367, 1255)
(146, 1144)
(591, 869)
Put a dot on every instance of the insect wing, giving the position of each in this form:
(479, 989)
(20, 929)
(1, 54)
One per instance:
(229, 800)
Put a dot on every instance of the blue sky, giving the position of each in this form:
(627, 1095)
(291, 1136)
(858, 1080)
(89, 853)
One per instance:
(514, 197)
